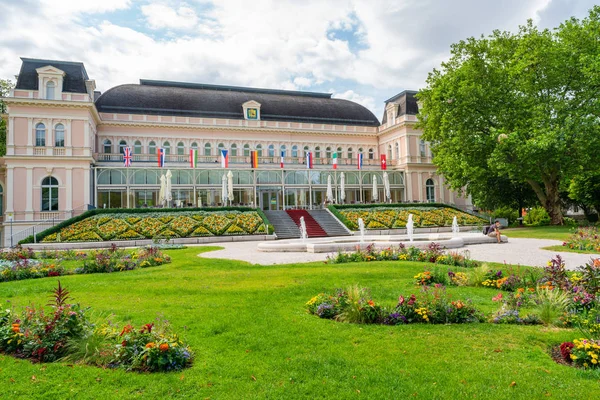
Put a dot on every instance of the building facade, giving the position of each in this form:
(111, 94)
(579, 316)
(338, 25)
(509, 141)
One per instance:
(66, 143)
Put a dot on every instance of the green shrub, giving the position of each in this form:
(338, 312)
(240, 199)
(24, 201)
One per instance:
(508, 213)
(537, 216)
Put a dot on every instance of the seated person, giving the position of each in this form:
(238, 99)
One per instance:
(494, 231)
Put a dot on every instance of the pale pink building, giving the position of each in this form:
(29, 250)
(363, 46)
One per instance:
(65, 145)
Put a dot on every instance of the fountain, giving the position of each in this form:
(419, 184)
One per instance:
(303, 234)
(410, 228)
(455, 227)
(361, 228)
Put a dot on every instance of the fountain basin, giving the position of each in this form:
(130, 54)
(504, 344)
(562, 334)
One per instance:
(343, 243)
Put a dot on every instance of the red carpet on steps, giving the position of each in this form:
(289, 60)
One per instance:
(313, 229)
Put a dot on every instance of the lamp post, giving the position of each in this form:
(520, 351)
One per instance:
(10, 219)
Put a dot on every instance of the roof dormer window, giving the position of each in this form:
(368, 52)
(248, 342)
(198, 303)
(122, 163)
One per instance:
(50, 82)
(251, 110)
(50, 86)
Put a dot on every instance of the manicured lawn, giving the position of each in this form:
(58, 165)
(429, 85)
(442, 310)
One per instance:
(540, 232)
(253, 339)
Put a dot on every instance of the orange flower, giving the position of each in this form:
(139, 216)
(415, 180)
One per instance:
(597, 262)
(16, 328)
(371, 303)
(151, 345)
(126, 329)
(163, 347)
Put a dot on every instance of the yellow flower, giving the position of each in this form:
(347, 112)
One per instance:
(573, 357)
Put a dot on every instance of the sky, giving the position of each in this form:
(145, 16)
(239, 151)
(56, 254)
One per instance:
(361, 50)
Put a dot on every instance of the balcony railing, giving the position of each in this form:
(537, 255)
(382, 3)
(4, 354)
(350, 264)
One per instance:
(236, 160)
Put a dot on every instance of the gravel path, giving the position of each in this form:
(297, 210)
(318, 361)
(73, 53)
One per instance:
(516, 251)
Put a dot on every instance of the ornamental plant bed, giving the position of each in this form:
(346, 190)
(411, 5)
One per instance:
(14, 266)
(395, 216)
(66, 333)
(584, 239)
(162, 225)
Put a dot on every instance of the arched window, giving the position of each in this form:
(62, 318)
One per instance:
(294, 151)
(282, 150)
(207, 149)
(49, 194)
(350, 152)
(167, 147)
(40, 135)
(271, 150)
(422, 148)
(152, 147)
(122, 145)
(430, 191)
(397, 151)
(59, 135)
(339, 152)
(317, 152)
(259, 150)
(371, 154)
(137, 147)
(234, 150)
(306, 150)
(389, 153)
(328, 152)
(107, 146)
(360, 150)
(50, 86)
(180, 148)
(220, 146)
(246, 150)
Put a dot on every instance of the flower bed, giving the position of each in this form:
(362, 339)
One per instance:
(51, 336)
(45, 264)
(356, 306)
(587, 239)
(165, 225)
(385, 217)
(434, 254)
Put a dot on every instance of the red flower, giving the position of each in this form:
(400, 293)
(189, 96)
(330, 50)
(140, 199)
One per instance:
(400, 300)
(412, 300)
(147, 328)
(498, 297)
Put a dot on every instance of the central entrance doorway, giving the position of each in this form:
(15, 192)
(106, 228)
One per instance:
(269, 199)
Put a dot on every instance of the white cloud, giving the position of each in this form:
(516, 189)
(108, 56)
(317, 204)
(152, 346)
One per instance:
(263, 43)
(162, 16)
(366, 101)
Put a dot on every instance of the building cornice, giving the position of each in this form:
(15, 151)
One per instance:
(54, 103)
(238, 128)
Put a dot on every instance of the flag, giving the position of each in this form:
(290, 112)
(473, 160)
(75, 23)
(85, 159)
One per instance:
(282, 157)
(309, 160)
(383, 162)
(335, 160)
(360, 160)
(224, 159)
(161, 157)
(254, 158)
(193, 158)
(127, 156)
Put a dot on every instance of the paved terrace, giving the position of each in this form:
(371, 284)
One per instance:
(516, 251)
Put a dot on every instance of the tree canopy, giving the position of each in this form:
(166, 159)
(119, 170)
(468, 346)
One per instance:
(520, 106)
(5, 86)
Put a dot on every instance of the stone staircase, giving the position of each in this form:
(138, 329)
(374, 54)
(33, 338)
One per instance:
(284, 226)
(329, 223)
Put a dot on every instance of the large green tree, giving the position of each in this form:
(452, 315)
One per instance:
(522, 106)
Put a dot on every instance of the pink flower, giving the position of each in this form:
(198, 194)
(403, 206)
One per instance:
(498, 297)
(401, 300)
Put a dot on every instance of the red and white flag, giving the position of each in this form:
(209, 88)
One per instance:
(383, 162)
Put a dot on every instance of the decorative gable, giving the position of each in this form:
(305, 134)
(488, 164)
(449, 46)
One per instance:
(251, 110)
(50, 82)
(391, 111)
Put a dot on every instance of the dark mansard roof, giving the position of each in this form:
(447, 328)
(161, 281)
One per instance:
(73, 81)
(215, 101)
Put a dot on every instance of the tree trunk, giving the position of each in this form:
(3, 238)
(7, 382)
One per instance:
(553, 204)
(550, 199)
